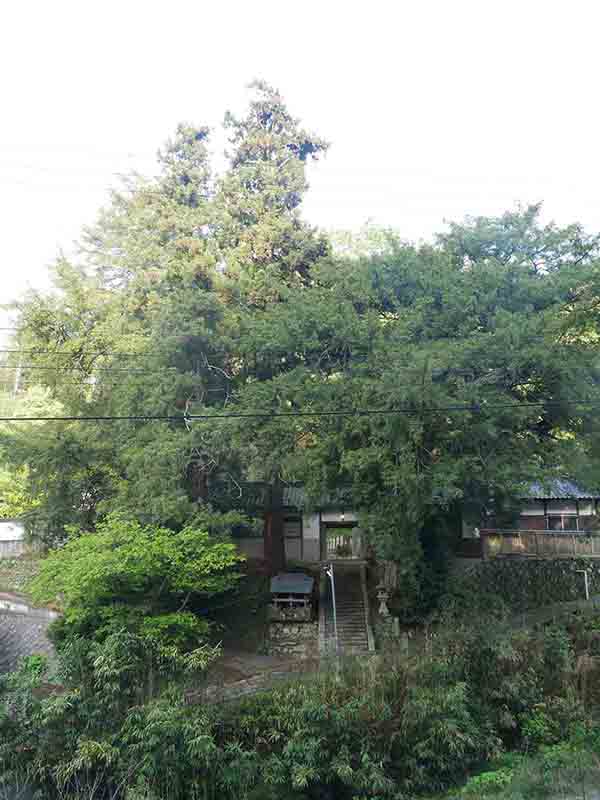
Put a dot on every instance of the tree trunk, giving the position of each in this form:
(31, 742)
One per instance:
(274, 545)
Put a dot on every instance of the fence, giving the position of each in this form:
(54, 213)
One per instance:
(540, 544)
(344, 544)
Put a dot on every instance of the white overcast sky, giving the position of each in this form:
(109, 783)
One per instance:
(434, 108)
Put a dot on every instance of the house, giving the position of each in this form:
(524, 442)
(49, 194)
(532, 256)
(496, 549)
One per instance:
(327, 531)
(556, 518)
(12, 538)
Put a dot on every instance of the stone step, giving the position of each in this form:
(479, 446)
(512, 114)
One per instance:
(350, 611)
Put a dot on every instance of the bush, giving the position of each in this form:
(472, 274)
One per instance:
(153, 572)
(382, 728)
(440, 738)
(488, 783)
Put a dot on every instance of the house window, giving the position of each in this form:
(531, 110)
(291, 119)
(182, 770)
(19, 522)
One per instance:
(534, 508)
(562, 515)
(563, 522)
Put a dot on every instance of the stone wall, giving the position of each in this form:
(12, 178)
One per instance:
(526, 583)
(15, 573)
(278, 613)
(23, 631)
(300, 639)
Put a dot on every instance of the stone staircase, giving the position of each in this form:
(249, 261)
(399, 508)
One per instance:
(353, 633)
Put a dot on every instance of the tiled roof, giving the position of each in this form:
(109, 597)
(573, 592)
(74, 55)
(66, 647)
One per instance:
(557, 489)
(295, 497)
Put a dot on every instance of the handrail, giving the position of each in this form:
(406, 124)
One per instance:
(330, 575)
(518, 531)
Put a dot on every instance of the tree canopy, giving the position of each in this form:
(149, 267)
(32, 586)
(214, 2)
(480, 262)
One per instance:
(139, 578)
(417, 377)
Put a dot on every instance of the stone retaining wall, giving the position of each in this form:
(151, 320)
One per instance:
(23, 631)
(299, 639)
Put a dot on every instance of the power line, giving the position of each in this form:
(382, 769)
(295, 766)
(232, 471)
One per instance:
(81, 353)
(92, 369)
(474, 408)
(355, 346)
(88, 187)
(408, 337)
(78, 170)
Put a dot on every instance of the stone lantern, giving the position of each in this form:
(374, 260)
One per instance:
(383, 596)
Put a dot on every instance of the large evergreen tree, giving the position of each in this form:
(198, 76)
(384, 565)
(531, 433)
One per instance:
(442, 370)
(152, 319)
(448, 367)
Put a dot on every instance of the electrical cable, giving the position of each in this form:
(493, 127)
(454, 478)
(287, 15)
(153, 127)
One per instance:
(357, 412)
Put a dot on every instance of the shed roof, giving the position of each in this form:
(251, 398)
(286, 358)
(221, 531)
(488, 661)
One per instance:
(292, 583)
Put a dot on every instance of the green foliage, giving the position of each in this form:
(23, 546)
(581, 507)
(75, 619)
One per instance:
(224, 299)
(568, 769)
(488, 783)
(388, 727)
(141, 578)
(13, 494)
(109, 729)
(441, 737)
(470, 323)
(210, 295)
(153, 320)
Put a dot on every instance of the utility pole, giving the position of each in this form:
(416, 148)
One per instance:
(586, 582)
(17, 380)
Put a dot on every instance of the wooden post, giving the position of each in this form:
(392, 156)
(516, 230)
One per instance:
(274, 545)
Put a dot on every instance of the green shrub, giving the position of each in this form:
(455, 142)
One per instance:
(487, 783)
(382, 728)
(441, 736)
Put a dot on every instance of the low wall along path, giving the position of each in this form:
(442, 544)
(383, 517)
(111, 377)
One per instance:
(23, 631)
